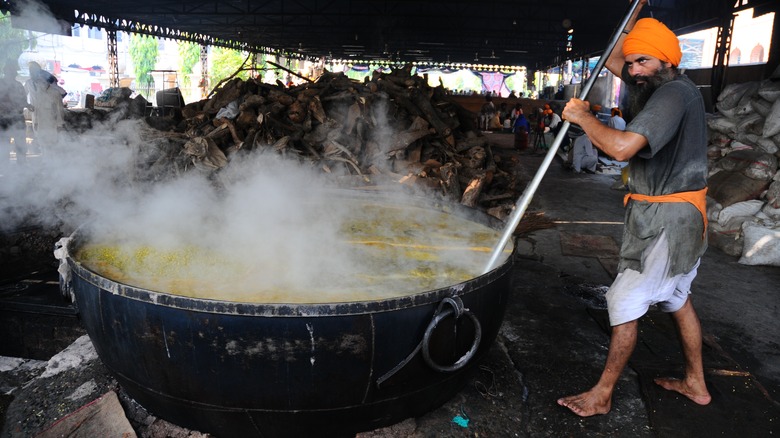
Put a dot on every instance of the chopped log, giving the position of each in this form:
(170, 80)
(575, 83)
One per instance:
(231, 128)
(315, 107)
(205, 151)
(404, 139)
(252, 101)
(424, 104)
(296, 112)
(281, 97)
(347, 95)
(228, 93)
(400, 81)
(449, 180)
(247, 119)
(475, 158)
(409, 179)
(353, 113)
(401, 96)
(281, 143)
(499, 197)
(333, 148)
(470, 196)
(468, 143)
(500, 212)
(413, 153)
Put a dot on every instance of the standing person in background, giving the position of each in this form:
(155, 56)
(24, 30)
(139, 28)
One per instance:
(616, 120)
(521, 128)
(13, 99)
(45, 98)
(665, 232)
(515, 112)
(487, 113)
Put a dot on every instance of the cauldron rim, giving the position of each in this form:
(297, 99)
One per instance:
(286, 309)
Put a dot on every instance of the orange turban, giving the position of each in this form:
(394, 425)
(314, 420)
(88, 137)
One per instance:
(617, 111)
(651, 37)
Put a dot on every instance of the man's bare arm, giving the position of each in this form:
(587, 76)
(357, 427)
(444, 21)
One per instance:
(620, 145)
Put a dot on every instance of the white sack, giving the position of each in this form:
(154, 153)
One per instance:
(722, 124)
(751, 123)
(772, 213)
(767, 145)
(739, 209)
(761, 106)
(772, 123)
(769, 90)
(733, 93)
(762, 245)
(773, 194)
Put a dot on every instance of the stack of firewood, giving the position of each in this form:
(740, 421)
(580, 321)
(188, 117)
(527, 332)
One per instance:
(390, 128)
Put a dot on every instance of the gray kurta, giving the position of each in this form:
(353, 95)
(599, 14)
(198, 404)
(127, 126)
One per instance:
(675, 160)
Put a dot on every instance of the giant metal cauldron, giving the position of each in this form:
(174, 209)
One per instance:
(242, 369)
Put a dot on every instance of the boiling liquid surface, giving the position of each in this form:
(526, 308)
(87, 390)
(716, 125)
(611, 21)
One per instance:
(380, 252)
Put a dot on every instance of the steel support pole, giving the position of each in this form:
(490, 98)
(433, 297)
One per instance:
(113, 64)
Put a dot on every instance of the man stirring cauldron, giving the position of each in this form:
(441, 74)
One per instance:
(665, 223)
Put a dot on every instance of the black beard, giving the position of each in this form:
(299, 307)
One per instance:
(638, 95)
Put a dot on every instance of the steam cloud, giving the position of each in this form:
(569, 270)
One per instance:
(266, 209)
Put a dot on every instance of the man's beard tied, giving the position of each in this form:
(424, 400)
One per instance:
(638, 95)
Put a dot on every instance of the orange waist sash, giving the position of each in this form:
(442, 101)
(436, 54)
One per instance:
(697, 198)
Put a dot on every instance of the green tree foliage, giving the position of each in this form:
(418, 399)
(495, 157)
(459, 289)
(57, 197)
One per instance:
(189, 55)
(13, 41)
(225, 62)
(143, 52)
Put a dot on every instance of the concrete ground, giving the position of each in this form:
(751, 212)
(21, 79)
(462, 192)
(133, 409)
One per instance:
(553, 341)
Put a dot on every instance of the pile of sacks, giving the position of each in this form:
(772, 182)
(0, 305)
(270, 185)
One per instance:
(744, 180)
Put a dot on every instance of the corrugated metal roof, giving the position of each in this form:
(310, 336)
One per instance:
(498, 32)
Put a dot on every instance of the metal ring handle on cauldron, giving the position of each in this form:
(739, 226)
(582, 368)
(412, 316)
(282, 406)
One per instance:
(458, 311)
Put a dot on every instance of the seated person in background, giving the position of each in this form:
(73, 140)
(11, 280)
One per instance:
(552, 120)
(616, 121)
(495, 122)
(582, 155)
(508, 124)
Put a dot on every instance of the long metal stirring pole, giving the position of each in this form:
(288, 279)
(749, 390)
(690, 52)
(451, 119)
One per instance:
(525, 199)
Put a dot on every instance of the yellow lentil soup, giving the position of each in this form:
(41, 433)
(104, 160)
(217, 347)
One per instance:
(390, 251)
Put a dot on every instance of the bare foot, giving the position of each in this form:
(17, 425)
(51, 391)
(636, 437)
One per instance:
(588, 403)
(697, 393)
